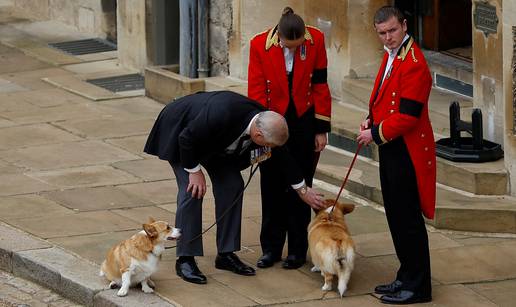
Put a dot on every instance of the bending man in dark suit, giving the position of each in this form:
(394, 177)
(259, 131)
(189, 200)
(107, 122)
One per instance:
(218, 130)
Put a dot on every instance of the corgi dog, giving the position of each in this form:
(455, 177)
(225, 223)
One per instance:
(134, 260)
(331, 247)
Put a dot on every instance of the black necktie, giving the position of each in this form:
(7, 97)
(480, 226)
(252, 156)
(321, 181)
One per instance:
(240, 143)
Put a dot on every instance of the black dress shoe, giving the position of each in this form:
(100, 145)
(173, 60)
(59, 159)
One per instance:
(391, 288)
(267, 260)
(404, 297)
(188, 271)
(293, 262)
(231, 262)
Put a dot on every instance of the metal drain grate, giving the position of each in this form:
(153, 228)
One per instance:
(453, 85)
(120, 83)
(84, 46)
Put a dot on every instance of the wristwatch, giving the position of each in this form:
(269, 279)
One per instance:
(302, 190)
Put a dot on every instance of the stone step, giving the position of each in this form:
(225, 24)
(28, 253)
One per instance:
(490, 178)
(455, 210)
(459, 72)
(356, 92)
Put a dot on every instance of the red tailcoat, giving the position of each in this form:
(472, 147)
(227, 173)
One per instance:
(267, 77)
(399, 108)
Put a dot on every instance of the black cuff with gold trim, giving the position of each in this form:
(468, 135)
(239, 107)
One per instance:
(375, 132)
(322, 126)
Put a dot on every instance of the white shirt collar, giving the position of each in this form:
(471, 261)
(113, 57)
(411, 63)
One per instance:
(248, 129)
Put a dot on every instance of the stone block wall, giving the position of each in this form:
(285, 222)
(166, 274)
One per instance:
(352, 46)
(508, 19)
(487, 75)
(90, 16)
(220, 30)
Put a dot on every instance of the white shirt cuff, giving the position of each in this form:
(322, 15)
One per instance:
(299, 185)
(193, 170)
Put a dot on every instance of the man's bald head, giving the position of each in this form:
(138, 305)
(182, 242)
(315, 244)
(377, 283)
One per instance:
(270, 129)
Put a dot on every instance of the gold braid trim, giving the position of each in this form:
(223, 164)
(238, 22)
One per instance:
(413, 55)
(405, 50)
(273, 38)
(322, 117)
(380, 130)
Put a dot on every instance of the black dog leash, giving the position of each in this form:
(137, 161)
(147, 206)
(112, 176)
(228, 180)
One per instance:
(251, 173)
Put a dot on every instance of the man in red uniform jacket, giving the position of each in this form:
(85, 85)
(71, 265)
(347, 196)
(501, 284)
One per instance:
(398, 122)
(288, 75)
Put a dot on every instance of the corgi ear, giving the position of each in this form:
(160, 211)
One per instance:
(151, 220)
(346, 208)
(150, 230)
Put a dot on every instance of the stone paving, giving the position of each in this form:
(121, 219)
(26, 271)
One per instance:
(73, 174)
(18, 292)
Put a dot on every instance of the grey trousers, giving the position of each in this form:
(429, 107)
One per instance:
(227, 184)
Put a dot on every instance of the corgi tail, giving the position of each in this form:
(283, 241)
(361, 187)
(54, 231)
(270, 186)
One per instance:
(346, 258)
(346, 263)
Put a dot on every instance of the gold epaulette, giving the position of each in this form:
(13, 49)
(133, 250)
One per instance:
(308, 35)
(273, 38)
(405, 50)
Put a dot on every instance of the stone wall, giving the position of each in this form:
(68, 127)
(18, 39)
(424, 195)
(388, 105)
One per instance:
(249, 18)
(509, 89)
(132, 34)
(97, 17)
(221, 12)
(352, 46)
(487, 76)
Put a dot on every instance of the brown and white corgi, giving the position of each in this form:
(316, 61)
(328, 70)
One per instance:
(331, 247)
(134, 260)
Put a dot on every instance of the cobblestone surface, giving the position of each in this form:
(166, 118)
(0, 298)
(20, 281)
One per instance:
(18, 292)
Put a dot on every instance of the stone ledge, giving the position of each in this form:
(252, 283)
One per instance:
(12, 241)
(163, 84)
(457, 211)
(60, 271)
(65, 273)
(108, 298)
(490, 178)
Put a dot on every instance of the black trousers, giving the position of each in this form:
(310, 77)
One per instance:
(283, 212)
(227, 185)
(403, 211)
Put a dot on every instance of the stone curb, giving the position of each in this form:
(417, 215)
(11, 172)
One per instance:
(75, 278)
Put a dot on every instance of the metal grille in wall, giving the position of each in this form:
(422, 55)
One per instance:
(85, 46)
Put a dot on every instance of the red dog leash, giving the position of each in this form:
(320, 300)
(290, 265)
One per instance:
(347, 175)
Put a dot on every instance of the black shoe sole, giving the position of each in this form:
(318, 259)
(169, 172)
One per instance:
(264, 266)
(220, 267)
(385, 292)
(193, 281)
(292, 267)
(411, 301)
(268, 264)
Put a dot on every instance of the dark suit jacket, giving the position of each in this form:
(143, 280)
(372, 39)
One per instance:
(193, 129)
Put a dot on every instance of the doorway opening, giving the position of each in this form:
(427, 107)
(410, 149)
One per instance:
(109, 20)
(440, 25)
